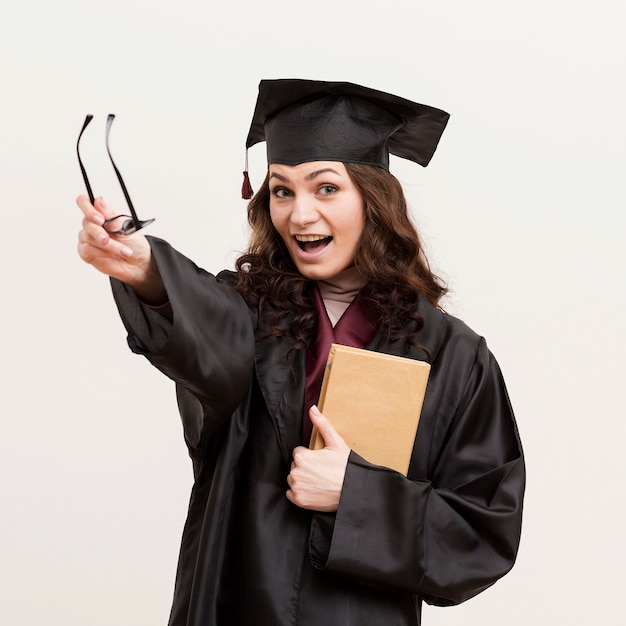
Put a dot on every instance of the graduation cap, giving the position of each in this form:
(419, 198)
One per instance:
(312, 120)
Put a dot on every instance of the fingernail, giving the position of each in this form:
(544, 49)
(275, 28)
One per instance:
(102, 238)
(127, 251)
(98, 219)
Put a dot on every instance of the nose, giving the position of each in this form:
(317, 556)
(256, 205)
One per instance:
(304, 210)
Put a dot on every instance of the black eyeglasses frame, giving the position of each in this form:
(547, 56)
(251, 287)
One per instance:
(131, 223)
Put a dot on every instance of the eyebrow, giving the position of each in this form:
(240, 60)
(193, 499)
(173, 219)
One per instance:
(310, 176)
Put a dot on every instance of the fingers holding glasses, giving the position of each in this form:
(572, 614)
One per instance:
(95, 217)
(125, 258)
(92, 212)
(124, 263)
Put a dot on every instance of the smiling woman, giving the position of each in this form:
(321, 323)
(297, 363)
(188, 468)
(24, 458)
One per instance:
(318, 212)
(279, 534)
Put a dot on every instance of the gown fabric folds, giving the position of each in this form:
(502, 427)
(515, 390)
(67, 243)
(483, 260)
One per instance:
(444, 533)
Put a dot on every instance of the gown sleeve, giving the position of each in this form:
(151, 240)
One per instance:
(446, 538)
(207, 347)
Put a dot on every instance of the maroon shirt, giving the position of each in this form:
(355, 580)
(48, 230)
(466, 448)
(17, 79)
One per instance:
(354, 329)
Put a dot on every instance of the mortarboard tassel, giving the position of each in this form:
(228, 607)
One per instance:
(246, 188)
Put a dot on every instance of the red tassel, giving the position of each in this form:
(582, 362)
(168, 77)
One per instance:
(246, 187)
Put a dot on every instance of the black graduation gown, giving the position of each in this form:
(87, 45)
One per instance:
(250, 557)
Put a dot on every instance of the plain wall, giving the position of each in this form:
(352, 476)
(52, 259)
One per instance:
(521, 209)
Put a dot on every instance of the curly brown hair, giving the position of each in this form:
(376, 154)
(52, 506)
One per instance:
(389, 255)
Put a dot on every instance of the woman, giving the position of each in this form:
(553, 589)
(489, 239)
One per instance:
(276, 533)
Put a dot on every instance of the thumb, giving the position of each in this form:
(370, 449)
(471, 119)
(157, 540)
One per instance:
(327, 430)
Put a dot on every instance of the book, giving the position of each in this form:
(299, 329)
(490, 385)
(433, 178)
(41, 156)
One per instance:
(374, 401)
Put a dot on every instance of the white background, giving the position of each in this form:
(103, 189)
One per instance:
(521, 209)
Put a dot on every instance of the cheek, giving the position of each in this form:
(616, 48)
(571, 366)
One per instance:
(357, 223)
(278, 221)
(272, 215)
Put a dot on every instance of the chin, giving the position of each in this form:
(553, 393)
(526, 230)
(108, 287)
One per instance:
(309, 272)
(314, 273)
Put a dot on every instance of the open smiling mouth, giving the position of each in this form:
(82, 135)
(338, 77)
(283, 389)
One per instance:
(311, 243)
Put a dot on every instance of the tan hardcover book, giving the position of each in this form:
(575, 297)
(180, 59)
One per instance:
(374, 401)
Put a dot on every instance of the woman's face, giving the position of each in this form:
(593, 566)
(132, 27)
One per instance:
(318, 212)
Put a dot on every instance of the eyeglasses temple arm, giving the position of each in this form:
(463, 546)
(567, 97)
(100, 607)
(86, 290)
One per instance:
(82, 167)
(110, 119)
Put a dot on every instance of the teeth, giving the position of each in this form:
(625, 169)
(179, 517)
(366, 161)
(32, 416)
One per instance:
(310, 237)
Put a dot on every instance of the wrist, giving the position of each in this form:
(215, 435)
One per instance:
(148, 285)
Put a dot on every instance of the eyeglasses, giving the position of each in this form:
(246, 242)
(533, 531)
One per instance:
(120, 224)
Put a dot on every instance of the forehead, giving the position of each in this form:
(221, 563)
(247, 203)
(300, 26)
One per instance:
(308, 170)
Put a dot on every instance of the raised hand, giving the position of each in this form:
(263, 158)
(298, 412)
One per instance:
(125, 257)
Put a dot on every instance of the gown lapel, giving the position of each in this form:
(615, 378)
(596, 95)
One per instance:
(282, 391)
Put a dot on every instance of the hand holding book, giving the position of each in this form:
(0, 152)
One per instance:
(316, 476)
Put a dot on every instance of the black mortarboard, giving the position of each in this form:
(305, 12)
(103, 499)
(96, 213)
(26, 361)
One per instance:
(312, 120)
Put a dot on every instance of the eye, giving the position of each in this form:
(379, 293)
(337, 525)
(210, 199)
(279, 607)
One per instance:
(280, 192)
(328, 189)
